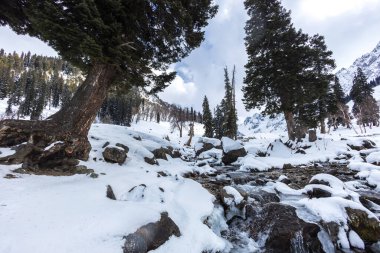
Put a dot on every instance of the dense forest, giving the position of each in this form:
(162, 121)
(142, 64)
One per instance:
(32, 83)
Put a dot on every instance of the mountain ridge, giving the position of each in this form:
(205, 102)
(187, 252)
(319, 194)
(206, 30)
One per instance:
(369, 63)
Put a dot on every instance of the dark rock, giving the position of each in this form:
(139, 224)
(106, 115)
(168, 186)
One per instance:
(332, 229)
(317, 192)
(287, 166)
(368, 144)
(233, 155)
(114, 155)
(151, 236)
(106, 144)
(317, 181)
(162, 174)
(161, 153)
(366, 196)
(10, 176)
(301, 151)
(285, 180)
(137, 138)
(151, 161)
(94, 175)
(110, 193)
(206, 146)
(286, 232)
(176, 153)
(367, 228)
(312, 135)
(81, 169)
(126, 149)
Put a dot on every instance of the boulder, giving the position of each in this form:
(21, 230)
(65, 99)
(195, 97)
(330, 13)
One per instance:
(114, 155)
(285, 231)
(318, 192)
(160, 153)
(366, 144)
(368, 228)
(205, 144)
(151, 236)
(232, 150)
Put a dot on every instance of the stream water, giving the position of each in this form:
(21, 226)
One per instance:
(269, 221)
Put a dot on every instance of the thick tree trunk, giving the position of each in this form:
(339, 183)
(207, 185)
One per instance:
(78, 115)
(290, 125)
(323, 127)
(58, 142)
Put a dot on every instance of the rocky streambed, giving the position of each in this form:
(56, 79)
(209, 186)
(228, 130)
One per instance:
(319, 208)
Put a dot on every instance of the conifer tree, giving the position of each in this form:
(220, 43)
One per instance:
(287, 71)
(228, 106)
(338, 90)
(360, 89)
(365, 107)
(218, 122)
(207, 119)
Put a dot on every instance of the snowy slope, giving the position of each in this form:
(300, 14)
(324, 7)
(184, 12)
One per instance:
(370, 63)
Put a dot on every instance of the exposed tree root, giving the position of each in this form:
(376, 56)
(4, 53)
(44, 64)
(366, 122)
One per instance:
(42, 146)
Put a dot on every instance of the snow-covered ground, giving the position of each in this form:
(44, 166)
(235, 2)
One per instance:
(72, 214)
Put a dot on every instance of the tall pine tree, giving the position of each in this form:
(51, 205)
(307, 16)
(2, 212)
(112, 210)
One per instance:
(287, 72)
(207, 119)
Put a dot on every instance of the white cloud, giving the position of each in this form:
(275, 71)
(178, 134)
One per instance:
(324, 9)
(180, 92)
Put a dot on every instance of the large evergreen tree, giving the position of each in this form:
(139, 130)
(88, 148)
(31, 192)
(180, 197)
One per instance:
(117, 43)
(207, 119)
(229, 108)
(218, 121)
(365, 108)
(287, 71)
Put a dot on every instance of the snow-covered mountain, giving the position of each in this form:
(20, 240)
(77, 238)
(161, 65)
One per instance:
(370, 64)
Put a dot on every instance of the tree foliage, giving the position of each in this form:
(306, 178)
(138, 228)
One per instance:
(135, 37)
(207, 119)
(287, 71)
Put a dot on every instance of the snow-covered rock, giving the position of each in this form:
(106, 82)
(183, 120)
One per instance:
(204, 144)
(232, 150)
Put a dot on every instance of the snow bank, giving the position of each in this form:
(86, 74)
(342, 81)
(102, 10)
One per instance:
(250, 163)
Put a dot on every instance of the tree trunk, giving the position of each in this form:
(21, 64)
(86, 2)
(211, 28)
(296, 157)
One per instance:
(58, 142)
(290, 124)
(78, 115)
(323, 127)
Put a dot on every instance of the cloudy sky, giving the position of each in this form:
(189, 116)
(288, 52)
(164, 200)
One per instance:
(351, 28)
